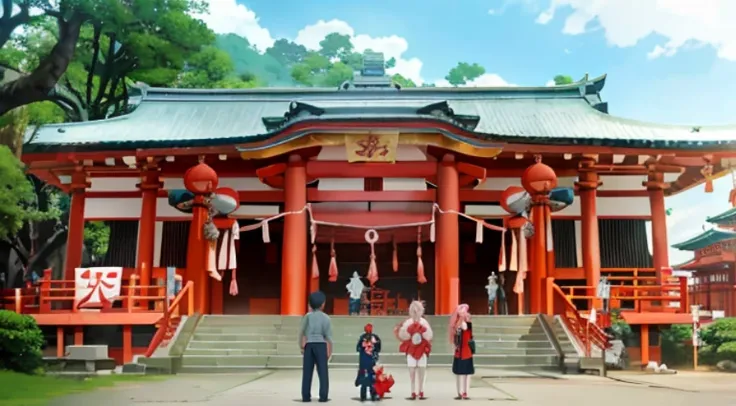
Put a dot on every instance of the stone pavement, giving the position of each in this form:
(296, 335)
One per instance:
(516, 388)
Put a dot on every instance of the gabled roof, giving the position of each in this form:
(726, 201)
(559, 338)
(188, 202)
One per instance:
(705, 239)
(564, 115)
(727, 217)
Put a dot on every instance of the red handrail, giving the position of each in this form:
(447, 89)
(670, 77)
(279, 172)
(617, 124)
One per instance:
(586, 333)
(165, 322)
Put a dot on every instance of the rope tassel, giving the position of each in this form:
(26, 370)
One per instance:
(333, 262)
(479, 232)
(371, 237)
(421, 279)
(265, 233)
(395, 260)
(315, 265)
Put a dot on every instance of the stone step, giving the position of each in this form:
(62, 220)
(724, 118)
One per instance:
(350, 368)
(355, 332)
(295, 351)
(291, 344)
(389, 359)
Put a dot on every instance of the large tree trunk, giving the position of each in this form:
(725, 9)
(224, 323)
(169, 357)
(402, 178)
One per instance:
(39, 84)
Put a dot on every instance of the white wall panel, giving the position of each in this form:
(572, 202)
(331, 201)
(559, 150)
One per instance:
(130, 208)
(607, 207)
(628, 182)
(401, 184)
(113, 184)
(341, 184)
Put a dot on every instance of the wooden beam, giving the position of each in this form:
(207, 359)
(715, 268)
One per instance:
(372, 218)
(480, 196)
(315, 195)
(247, 196)
(339, 169)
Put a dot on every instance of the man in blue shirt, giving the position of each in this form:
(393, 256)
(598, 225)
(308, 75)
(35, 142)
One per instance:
(315, 339)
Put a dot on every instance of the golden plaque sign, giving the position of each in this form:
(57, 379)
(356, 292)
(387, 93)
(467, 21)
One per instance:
(371, 147)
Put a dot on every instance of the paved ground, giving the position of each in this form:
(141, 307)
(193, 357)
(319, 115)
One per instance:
(282, 388)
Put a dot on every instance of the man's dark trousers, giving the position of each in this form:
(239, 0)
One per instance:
(315, 354)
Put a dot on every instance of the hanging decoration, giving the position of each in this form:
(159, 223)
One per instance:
(234, 283)
(523, 267)
(315, 266)
(371, 237)
(333, 261)
(421, 278)
(707, 173)
(395, 259)
(732, 195)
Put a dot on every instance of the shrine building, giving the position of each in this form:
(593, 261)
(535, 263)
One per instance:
(380, 178)
(714, 249)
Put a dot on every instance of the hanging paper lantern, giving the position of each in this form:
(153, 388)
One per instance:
(515, 200)
(560, 197)
(201, 179)
(539, 179)
(181, 200)
(226, 200)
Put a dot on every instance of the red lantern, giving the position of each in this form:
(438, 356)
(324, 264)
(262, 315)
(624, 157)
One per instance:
(201, 179)
(539, 179)
(510, 195)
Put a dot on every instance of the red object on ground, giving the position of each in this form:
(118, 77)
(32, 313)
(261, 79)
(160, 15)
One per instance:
(383, 383)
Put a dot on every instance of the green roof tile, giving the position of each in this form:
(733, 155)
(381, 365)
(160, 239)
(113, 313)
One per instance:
(727, 217)
(705, 239)
(564, 115)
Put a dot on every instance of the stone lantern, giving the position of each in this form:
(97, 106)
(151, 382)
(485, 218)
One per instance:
(201, 179)
(539, 179)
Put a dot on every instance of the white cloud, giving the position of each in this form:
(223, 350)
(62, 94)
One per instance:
(229, 17)
(626, 22)
(484, 80)
(392, 46)
(550, 83)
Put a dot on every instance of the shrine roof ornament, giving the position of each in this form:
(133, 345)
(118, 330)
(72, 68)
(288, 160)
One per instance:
(571, 114)
(709, 237)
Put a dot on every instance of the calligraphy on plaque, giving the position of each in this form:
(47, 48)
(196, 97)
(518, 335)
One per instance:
(371, 147)
(97, 288)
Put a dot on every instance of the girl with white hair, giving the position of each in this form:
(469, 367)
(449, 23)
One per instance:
(416, 335)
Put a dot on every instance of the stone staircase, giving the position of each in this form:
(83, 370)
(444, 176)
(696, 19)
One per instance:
(236, 343)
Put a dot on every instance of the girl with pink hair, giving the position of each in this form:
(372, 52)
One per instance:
(461, 337)
(416, 335)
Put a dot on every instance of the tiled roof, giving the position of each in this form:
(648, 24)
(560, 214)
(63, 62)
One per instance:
(727, 217)
(564, 115)
(705, 239)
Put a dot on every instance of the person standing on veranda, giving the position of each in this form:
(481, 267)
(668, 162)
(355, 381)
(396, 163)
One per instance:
(315, 340)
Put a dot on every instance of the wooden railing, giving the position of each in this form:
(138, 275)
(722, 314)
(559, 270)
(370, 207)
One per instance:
(172, 313)
(635, 290)
(587, 334)
(58, 296)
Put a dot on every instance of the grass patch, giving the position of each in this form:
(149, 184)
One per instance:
(31, 390)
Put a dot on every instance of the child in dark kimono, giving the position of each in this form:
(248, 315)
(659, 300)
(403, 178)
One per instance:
(369, 346)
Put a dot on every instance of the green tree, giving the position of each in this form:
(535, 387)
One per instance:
(337, 74)
(391, 63)
(402, 81)
(312, 71)
(336, 46)
(18, 200)
(115, 43)
(96, 239)
(286, 52)
(21, 341)
(464, 73)
(563, 80)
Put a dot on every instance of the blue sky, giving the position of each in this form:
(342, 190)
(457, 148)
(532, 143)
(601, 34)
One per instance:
(668, 61)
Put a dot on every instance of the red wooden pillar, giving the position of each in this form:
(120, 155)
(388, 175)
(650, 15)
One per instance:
(644, 345)
(447, 237)
(75, 237)
(587, 189)
(655, 186)
(127, 344)
(149, 187)
(197, 256)
(294, 250)
(538, 250)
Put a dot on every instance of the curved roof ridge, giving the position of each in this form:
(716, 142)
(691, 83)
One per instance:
(595, 83)
(706, 238)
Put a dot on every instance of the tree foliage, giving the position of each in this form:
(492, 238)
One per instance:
(18, 200)
(563, 80)
(84, 54)
(464, 73)
(21, 342)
